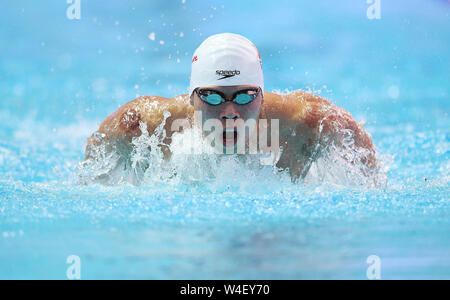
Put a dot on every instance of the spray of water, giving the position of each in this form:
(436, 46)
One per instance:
(194, 162)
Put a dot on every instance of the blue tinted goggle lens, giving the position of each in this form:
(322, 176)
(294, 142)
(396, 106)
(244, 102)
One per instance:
(244, 98)
(214, 99)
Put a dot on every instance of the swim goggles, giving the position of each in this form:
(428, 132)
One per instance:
(214, 97)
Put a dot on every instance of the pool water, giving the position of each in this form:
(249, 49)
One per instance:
(60, 78)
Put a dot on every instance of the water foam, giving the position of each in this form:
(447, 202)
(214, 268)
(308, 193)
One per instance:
(193, 161)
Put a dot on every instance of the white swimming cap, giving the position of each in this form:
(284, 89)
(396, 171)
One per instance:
(226, 59)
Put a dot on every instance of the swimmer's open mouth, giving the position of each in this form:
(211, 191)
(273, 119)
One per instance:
(230, 137)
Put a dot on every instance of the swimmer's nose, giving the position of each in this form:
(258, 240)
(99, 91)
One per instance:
(230, 112)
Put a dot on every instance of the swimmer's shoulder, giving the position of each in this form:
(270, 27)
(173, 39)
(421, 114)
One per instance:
(294, 106)
(147, 109)
(152, 108)
(125, 122)
(128, 115)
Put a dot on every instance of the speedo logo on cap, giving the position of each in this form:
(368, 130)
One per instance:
(227, 74)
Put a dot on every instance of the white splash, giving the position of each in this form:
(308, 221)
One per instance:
(193, 161)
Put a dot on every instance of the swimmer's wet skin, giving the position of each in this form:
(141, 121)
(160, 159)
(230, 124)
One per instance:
(309, 124)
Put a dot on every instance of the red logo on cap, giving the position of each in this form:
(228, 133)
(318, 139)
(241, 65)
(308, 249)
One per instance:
(194, 59)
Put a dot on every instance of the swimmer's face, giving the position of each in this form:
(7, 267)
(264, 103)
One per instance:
(229, 110)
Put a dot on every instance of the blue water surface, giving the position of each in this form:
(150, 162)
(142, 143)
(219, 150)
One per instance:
(60, 78)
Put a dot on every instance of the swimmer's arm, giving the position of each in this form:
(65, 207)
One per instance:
(124, 124)
(336, 126)
(309, 124)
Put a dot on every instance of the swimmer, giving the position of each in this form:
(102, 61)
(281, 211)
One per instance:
(226, 85)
